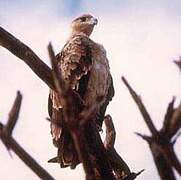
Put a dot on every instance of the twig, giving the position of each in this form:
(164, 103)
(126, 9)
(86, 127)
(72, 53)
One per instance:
(133, 175)
(11, 144)
(22, 51)
(145, 137)
(141, 107)
(168, 116)
(14, 114)
(110, 132)
(178, 62)
(175, 122)
(25, 157)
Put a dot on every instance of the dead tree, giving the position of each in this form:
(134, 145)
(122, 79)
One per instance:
(161, 142)
(100, 161)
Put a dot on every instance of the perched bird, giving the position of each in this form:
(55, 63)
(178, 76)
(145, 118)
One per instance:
(84, 66)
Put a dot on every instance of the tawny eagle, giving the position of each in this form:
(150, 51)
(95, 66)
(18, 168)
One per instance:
(84, 66)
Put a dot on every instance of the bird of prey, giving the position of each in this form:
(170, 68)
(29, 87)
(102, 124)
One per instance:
(85, 68)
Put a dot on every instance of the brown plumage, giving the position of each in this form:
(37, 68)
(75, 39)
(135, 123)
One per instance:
(85, 68)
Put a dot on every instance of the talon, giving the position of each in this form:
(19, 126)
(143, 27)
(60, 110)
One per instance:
(56, 131)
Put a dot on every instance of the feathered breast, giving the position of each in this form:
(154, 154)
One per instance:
(84, 66)
(75, 60)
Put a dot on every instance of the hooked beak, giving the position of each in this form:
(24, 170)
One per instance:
(93, 21)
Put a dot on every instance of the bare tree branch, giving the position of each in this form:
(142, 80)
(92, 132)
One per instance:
(22, 51)
(178, 62)
(172, 158)
(165, 170)
(175, 122)
(160, 158)
(160, 142)
(10, 142)
(119, 166)
(14, 114)
(168, 116)
(133, 175)
(25, 157)
(172, 121)
(110, 132)
(141, 107)
(145, 137)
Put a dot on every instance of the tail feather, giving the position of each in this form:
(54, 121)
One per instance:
(67, 155)
(66, 151)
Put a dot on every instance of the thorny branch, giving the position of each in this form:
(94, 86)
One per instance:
(160, 142)
(11, 143)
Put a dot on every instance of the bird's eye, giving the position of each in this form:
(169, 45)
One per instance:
(83, 19)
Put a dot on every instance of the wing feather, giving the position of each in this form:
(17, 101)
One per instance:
(75, 62)
(103, 108)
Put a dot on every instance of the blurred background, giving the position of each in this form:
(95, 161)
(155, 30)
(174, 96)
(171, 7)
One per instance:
(142, 38)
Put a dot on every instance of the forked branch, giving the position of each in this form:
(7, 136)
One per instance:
(160, 142)
(11, 143)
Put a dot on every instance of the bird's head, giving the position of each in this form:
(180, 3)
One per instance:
(84, 24)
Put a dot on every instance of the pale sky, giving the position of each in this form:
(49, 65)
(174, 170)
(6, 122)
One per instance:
(142, 39)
